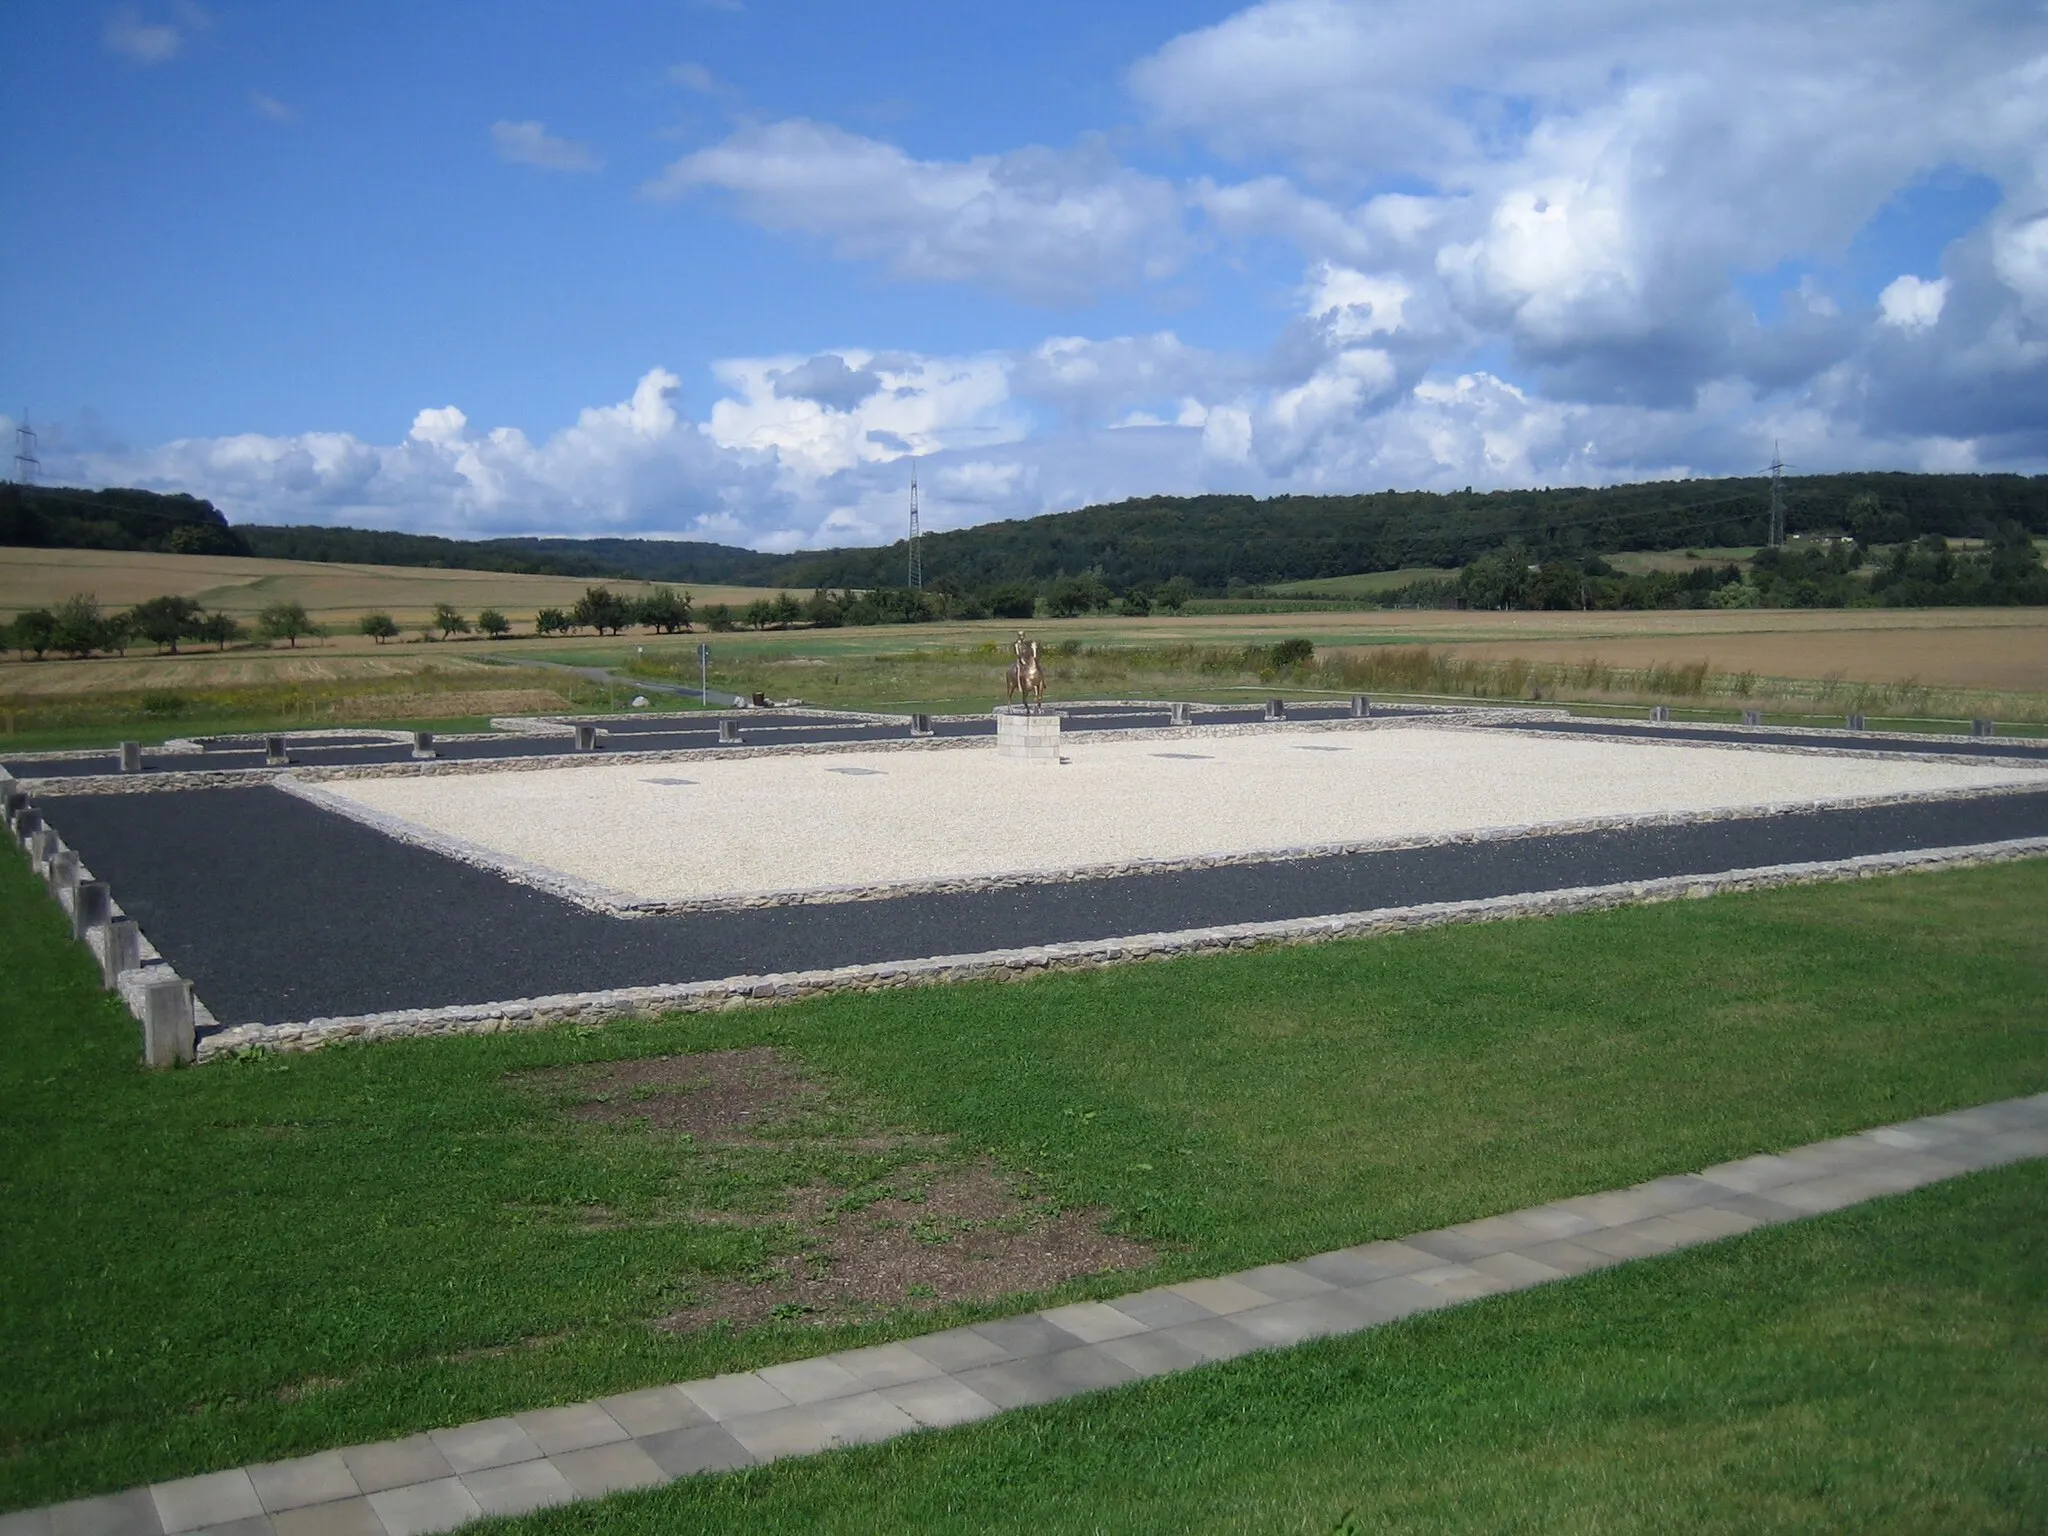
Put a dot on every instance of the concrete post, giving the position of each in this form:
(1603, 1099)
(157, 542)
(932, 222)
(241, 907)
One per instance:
(1752, 717)
(92, 906)
(1276, 709)
(1855, 723)
(123, 951)
(28, 825)
(1361, 707)
(131, 757)
(1660, 713)
(1176, 714)
(63, 872)
(17, 802)
(167, 1035)
(1983, 727)
(423, 744)
(586, 738)
(275, 754)
(728, 733)
(43, 847)
(920, 725)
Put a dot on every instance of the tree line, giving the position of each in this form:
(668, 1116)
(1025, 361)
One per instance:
(1216, 544)
(78, 627)
(1837, 571)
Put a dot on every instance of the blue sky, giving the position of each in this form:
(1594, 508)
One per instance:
(719, 269)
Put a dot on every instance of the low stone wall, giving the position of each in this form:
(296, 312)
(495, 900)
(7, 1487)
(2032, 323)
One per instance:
(1018, 964)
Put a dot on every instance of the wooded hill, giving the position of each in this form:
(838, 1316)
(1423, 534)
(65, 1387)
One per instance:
(1216, 543)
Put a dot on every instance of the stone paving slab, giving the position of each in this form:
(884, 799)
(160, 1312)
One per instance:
(448, 1477)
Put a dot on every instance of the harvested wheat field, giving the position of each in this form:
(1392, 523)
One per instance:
(332, 594)
(2004, 658)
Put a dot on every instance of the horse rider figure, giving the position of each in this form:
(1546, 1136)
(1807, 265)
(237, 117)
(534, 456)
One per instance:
(1025, 679)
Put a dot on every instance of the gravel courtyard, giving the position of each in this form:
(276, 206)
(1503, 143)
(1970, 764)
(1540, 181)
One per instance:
(756, 825)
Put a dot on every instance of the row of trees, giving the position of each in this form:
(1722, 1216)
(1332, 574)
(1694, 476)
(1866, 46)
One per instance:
(78, 627)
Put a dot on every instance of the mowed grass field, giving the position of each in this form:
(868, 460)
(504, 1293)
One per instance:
(270, 1256)
(335, 595)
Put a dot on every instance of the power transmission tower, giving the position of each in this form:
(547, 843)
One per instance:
(1777, 498)
(26, 465)
(916, 581)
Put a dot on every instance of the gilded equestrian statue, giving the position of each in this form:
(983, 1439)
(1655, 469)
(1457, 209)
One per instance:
(1025, 679)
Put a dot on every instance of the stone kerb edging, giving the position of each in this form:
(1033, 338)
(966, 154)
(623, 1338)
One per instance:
(606, 1006)
(103, 784)
(1848, 747)
(153, 966)
(612, 902)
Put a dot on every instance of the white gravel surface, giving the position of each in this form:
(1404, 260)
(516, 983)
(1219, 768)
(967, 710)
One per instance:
(756, 825)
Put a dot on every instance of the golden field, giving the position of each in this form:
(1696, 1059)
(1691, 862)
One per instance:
(335, 595)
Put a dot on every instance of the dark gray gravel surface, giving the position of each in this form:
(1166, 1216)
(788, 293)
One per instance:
(279, 911)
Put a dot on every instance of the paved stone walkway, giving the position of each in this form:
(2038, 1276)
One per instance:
(439, 1480)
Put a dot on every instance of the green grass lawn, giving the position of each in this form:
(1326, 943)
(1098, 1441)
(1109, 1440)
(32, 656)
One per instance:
(259, 1258)
(1881, 1369)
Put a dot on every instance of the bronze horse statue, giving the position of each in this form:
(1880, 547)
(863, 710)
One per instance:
(1025, 679)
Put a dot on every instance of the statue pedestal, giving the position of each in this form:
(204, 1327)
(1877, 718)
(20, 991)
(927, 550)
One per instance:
(1027, 738)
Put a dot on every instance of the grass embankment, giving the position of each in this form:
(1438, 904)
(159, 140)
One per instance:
(1875, 1370)
(963, 678)
(262, 1258)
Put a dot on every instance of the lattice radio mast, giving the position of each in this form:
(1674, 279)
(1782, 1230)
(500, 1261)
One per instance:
(1777, 497)
(26, 465)
(916, 573)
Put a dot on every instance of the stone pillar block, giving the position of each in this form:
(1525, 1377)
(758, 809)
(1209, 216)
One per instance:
(63, 872)
(1176, 714)
(1276, 709)
(28, 826)
(1983, 727)
(423, 745)
(1752, 717)
(728, 733)
(920, 725)
(131, 757)
(123, 951)
(275, 753)
(167, 1033)
(1361, 707)
(43, 847)
(1855, 723)
(17, 802)
(1027, 738)
(1661, 713)
(92, 906)
(586, 738)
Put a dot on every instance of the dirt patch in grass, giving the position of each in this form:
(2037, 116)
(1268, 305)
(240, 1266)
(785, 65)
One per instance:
(944, 1234)
(914, 1224)
(719, 1096)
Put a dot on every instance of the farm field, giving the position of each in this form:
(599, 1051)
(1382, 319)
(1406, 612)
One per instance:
(1369, 584)
(332, 594)
(325, 1249)
(1907, 664)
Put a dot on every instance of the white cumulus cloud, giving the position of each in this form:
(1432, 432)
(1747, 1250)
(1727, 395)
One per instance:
(530, 143)
(1050, 226)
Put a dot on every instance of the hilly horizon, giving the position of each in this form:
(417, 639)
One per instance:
(1215, 542)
